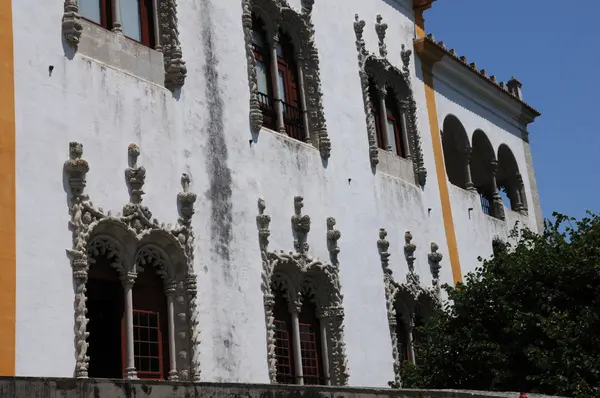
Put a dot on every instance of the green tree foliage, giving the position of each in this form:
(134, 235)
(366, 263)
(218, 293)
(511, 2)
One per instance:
(526, 320)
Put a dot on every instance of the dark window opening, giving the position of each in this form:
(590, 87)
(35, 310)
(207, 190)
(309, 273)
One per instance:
(283, 341)
(403, 340)
(150, 331)
(310, 345)
(105, 312)
(394, 122)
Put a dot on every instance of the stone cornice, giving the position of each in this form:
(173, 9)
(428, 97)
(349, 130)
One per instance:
(458, 69)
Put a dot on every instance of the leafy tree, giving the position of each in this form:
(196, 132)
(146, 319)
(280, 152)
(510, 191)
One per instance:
(526, 320)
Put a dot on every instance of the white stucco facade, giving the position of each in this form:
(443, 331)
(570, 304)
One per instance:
(202, 129)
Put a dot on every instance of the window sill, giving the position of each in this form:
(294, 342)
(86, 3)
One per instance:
(288, 139)
(122, 53)
(395, 166)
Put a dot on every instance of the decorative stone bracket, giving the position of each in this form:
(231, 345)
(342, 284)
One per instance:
(380, 69)
(299, 275)
(281, 14)
(168, 38)
(132, 241)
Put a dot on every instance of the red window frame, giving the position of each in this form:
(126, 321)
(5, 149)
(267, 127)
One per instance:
(105, 14)
(145, 15)
(309, 350)
(137, 343)
(397, 134)
(376, 110)
(284, 352)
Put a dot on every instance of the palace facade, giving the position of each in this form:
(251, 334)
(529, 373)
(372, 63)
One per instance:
(266, 191)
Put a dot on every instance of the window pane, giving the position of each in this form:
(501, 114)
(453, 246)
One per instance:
(130, 19)
(391, 127)
(281, 85)
(90, 9)
(261, 74)
(279, 50)
(258, 39)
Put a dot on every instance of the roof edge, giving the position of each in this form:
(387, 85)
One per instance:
(431, 51)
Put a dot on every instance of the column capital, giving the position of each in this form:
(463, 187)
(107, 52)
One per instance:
(128, 279)
(468, 151)
(493, 166)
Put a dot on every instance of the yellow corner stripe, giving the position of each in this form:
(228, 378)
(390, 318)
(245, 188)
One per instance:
(440, 169)
(8, 258)
(438, 153)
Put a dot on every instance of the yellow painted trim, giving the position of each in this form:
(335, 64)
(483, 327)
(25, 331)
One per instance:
(419, 24)
(8, 256)
(440, 169)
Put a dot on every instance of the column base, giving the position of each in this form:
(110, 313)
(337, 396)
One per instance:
(130, 374)
(173, 375)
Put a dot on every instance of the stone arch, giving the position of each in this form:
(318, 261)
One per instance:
(509, 178)
(483, 162)
(457, 149)
(302, 278)
(394, 83)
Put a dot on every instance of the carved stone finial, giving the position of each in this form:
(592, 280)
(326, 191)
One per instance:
(409, 251)
(76, 169)
(383, 245)
(359, 27)
(381, 28)
(405, 55)
(333, 235)
(263, 221)
(135, 175)
(307, 6)
(434, 263)
(71, 23)
(186, 200)
(300, 226)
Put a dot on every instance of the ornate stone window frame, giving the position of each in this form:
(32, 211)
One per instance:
(408, 294)
(167, 40)
(386, 74)
(278, 14)
(133, 241)
(297, 274)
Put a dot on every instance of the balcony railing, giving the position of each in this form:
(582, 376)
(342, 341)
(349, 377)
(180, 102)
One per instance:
(268, 111)
(293, 117)
(293, 120)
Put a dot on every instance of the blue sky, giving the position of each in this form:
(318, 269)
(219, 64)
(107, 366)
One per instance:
(553, 47)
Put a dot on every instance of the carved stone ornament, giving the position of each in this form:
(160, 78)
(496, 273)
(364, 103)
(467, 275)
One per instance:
(380, 29)
(434, 263)
(168, 43)
(131, 242)
(299, 275)
(408, 294)
(276, 15)
(385, 75)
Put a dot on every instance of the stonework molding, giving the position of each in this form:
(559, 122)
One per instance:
(168, 38)
(299, 275)
(71, 24)
(434, 263)
(401, 295)
(380, 29)
(384, 74)
(276, 15)
(363, 54)
(131, 242)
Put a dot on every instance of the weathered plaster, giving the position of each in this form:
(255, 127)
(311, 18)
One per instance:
(203, 131)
